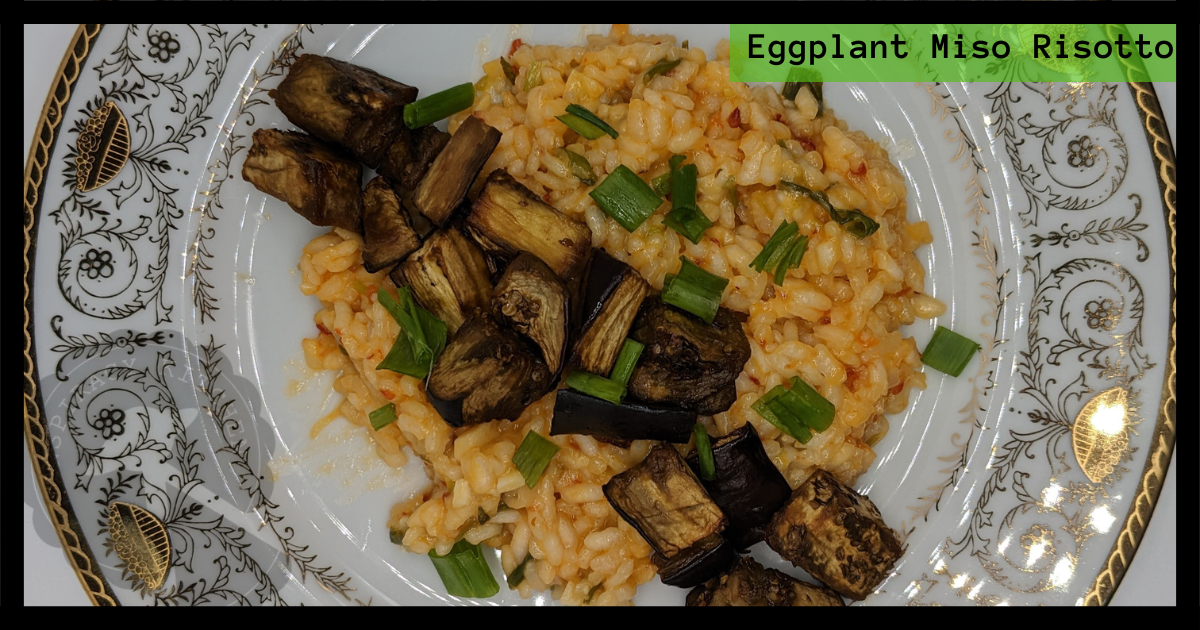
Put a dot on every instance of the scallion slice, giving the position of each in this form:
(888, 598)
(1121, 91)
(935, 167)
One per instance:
(662, 184)
(396, 536)
(422, 336)
(626, 359)
(518, 574)
(808, 405)
(779, 416)
(383, 416)
(587, 115)
(533, 456)
(776, 247)
(708, 468)
(685, 216)
(509, 73)
(675, 161)
(694, 290)
(684, 45)
(580, 167)
(435, 107)
(482, 516)
(581, 126)
(948, 351)
(625, 197)
(856, 223)
(662, 67)
(597, 386)
(533, 75)
(791, 259)
(464, 571)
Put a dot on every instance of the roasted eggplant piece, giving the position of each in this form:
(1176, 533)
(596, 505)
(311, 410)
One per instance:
(751, 584)
(388, 234)
(708, 557)
(532, 300)
(687, 362)
(411, 154)
(508, 218)
(662, 499)
(748, 487)
(445, 184)
(578, 413)
(486, 373)
(318, 183)
(836, 534)
(611, 301)
(448, 277)
(344, 104)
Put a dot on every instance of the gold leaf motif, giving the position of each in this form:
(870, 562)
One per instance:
(1099, 435)
(103, 148)
(141, 541)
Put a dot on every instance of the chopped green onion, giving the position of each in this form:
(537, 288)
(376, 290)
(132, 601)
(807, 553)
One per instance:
(795, 82)
(383, 416)
(731, 186)
(422, 336)
(808, 405)
(435, 107)
(464, 571)
(772, 411)
(581, 167)
(791, 259)
(948, 351)
(662, 184)
(533, 75)
(708, 468)
(533, 456)
(684, 45)
(597, 386)
(581, 126)
(343, 349)
(626, 359)
(776, 247)
(592, 593)
(587, 115)
(518, 574)
(625, 197)
(662, 67)
(396, 536)
(359, 287)
(675, 161)
(685, 216)
(856, 223)
(509, 73)
(481, 516)
(694, 290)
(688, 222)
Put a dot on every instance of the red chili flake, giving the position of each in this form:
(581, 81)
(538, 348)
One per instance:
(824, 321)
(388, 395)
(322, 329)
(778, 117)
(756, 381)
(735, 119)
(546, 197)
(515, 45)
(807, 144)
(861, 170)
(897, 389)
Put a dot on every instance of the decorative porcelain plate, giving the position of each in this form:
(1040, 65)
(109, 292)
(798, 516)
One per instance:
(171, 439)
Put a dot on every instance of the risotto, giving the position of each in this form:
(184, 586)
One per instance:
(834, 321)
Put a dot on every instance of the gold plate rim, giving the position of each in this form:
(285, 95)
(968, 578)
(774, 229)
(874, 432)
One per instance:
(99, 591)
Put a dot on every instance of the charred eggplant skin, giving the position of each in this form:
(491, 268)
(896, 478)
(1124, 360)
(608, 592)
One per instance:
(612, 296)
(388, 234)
(444, 187)
(578, 413)
(662, 499)
(748, 583)
(748, 487)
(411, 155)
(448, 276)
(696, 564)
(316, 180)
(532, 300)
(687, 362)
(348, 105)
(836, 534)
(490, 371)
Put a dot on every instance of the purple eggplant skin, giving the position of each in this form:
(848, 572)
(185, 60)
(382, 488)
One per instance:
(578, 413)
(748, 487)
(697, 564)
